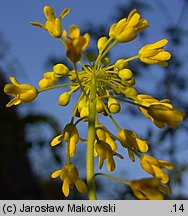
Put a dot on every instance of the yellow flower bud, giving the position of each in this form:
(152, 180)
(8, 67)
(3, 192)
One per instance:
(120, 64)
(130, 92)
(102, 43)
(125, 74)
(64, 99)
(113, 105)
(99, 106)
(48, 80)
(60, 70)
(84, 113)
(82, 103)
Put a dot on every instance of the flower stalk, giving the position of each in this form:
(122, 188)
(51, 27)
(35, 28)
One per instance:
(91, 140)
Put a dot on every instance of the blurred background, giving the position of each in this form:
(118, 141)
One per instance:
(26, 52)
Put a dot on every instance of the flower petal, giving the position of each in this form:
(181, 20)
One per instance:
(81, 186)
(57, 140)
(56, 174)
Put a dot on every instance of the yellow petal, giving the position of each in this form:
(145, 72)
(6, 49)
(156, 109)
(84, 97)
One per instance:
(110, 162)
(131, 14)
(163, 56)
(134, 20)
(38, 24)
(65, 187)
(56, 174)
(57, 140)
(74, 32)
(14, 101)
(166, 164)
(14, 81)
(64, 13)
(49, 13)
(158, 44)
(81, 186)
(143, 146)
(159, 173)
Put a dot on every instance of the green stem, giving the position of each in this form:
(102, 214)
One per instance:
(77, 76)
(91, 140)
(113, 178)
(57, 86)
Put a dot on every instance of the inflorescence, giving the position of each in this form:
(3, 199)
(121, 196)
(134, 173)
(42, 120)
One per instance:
(102, 88)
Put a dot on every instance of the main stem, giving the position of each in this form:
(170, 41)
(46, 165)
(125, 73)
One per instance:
(91, 140)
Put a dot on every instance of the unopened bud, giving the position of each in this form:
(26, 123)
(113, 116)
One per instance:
(64, 99)
(101, 43)
(60, 69)
(113, 105)
(120, 64)
(125, 74)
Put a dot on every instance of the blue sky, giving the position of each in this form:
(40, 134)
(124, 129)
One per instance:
(32, 46)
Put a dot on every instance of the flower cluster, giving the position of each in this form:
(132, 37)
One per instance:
(101, 88)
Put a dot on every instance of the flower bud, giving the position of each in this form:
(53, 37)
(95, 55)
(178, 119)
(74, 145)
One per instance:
(120, 64)
(101, 43)
(99, 106)
(113, 105)
(64, 99)
(27, 93)
(125, 74)
(60, 70)
(131, 93)
(81, 104)
(84, 113)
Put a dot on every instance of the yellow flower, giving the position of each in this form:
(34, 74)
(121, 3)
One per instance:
(127, 29)
(149, 189)
(130, 139)
(154, 53)
(102, 133)
(50, 78)
(22, 92)
(75, 44)
(70, 177)
(105, 152)
(154, 167)
(70, 135)
(53, 24)
(160, 112)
